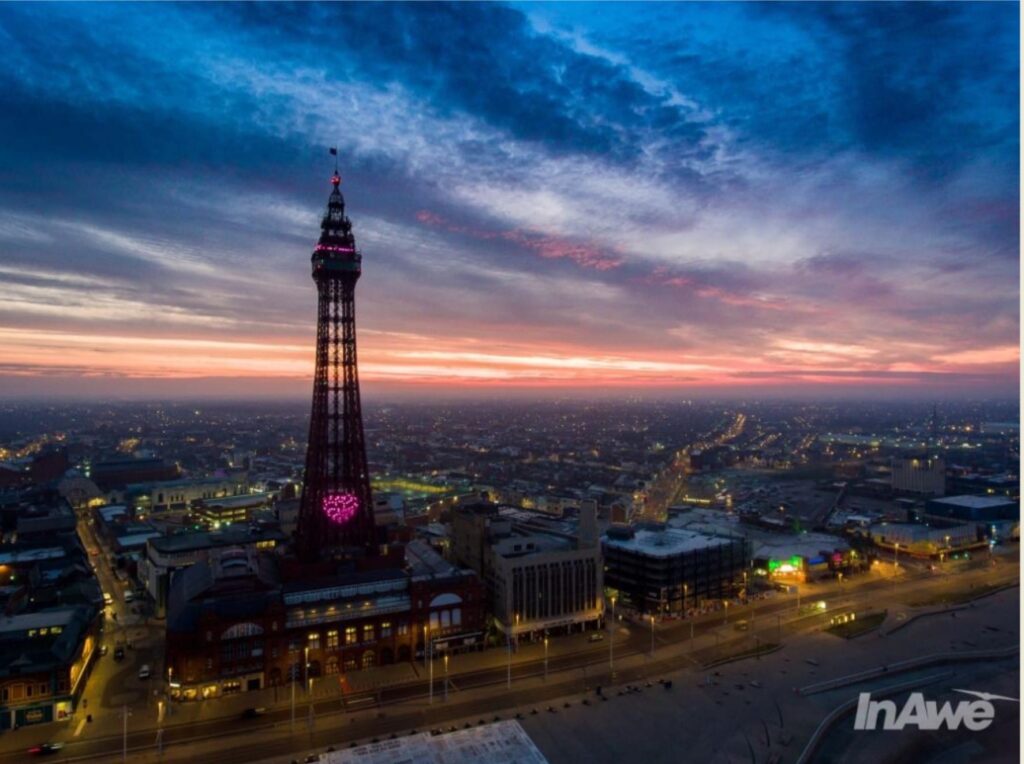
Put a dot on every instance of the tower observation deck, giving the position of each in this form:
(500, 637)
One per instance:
(336, 512)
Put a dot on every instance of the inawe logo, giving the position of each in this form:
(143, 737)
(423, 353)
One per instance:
(975, 715)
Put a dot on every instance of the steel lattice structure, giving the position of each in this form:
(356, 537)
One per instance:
(336, 513)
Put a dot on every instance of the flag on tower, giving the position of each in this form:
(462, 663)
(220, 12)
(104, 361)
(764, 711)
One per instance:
(334, 151)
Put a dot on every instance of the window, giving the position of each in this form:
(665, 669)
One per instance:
(403, 629)
(368, 632)
(457, 616)
(385, 630)
(350, 635)
(42, 689)
(446, 619)
(332, 639)
(314, 640)
(293, 645)
(434, 621)
(350, 664)
(28, 691)
(369, 658)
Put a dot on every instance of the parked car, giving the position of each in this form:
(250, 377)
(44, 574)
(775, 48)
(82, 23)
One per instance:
(144, 671)
(103, 650)
(597, 636)
(254, 713)
(119, 653)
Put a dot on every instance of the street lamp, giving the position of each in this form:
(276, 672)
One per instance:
(611, 641)
(446, 677)
(427, 645)
(652, 635)
(545, 658)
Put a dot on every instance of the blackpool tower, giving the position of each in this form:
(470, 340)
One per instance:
(336, 513)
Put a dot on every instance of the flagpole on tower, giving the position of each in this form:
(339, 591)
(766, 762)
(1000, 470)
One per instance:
(334, 153)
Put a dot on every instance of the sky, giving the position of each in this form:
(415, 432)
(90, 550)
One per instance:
(693, 199)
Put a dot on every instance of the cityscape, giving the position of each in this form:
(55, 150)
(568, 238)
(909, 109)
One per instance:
(278, 510)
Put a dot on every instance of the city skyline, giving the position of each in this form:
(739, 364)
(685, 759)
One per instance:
(735, 201)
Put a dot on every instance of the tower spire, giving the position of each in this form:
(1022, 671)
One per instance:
(336, 512)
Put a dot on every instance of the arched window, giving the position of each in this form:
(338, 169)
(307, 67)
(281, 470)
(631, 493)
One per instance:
(369, 659)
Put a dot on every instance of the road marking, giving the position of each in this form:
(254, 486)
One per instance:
(78, 729)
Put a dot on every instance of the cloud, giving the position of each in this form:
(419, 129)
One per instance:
(699, 193)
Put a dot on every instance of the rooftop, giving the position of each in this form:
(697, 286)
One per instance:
(665, 543)
(975, 502)
(503, 741)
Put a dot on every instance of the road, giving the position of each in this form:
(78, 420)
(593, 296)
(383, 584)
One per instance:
(482, 692)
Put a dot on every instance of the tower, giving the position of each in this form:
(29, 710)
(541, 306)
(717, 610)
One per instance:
(336, 512)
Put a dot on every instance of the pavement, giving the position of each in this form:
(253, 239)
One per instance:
(394, 700)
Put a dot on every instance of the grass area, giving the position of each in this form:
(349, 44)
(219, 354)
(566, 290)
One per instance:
(862, 625)
(959, 597)
(750, 652)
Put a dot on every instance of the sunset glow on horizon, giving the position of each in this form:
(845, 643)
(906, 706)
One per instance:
(566, 198)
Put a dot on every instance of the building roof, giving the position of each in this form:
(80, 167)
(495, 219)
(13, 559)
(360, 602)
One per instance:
(194, 541)
(505, 742)
(664, 543)
(975, 502)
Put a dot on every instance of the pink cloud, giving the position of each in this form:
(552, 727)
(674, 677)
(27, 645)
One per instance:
(544, 245)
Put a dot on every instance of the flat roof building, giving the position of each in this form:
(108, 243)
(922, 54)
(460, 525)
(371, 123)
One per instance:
(664, 570)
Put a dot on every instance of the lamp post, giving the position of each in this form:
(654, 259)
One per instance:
(611, 641)
(725, 619)
(446, 677)
(428, 645)
(545, 658)
(652, 635)
(895, 561)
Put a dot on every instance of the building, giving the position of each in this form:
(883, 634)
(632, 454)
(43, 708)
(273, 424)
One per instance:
(230, 509)
(35, 514)
(659, 569)
(925, 540)
(538, 578)
(919, 475)
(980, 509)
(183, 494)
(117, 473)
(45, 657)
(50, 612)
(165, 555)
(236, 622)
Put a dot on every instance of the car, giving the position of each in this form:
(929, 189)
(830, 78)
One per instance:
(44, 748)
(119, 653)
(129, 596)
(595, 637)
(254, 712)
(107, 599)
(144, 672)
(103, 650)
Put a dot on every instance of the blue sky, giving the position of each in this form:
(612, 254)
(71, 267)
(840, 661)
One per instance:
(779, 198)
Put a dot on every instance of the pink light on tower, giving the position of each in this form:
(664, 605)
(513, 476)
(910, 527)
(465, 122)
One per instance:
(340, 507)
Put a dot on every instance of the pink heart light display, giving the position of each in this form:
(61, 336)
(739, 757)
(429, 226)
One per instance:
(340, 507)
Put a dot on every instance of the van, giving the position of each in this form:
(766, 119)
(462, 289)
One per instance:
(144, 671)
(129, 596)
